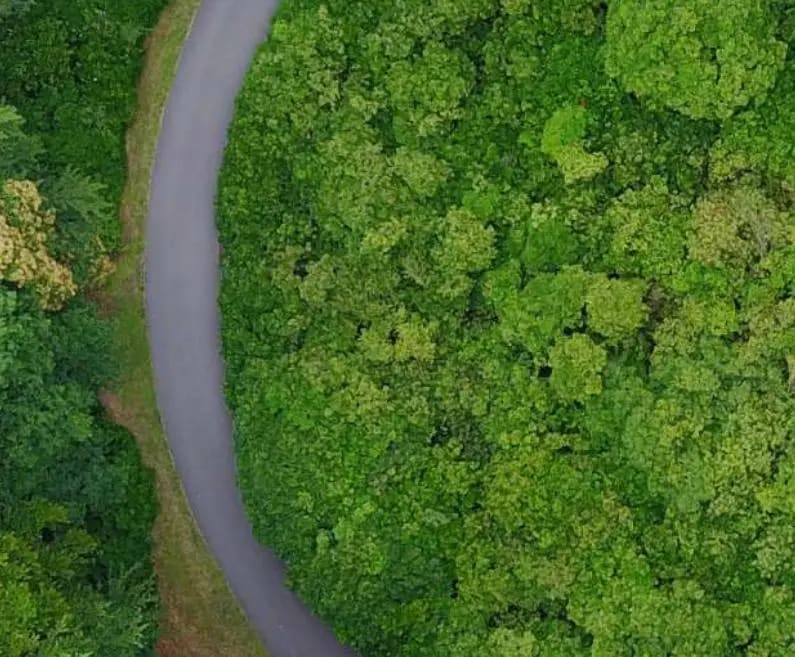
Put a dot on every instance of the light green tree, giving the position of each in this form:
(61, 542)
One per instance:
(563, 141)
(577, 364)
(615, 307)
(705, 59)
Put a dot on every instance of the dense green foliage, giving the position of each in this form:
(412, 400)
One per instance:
(702, 57)
(510, 325)
(70, 68)
(76, 505)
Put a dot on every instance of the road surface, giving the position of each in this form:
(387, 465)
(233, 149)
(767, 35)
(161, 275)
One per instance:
(182, 314)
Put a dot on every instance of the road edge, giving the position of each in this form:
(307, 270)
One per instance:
(200, 615)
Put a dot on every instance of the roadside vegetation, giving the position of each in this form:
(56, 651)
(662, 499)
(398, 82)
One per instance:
(76, 503)
(510, 327)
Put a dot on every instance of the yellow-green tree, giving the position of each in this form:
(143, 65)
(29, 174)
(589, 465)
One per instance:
(25, 230)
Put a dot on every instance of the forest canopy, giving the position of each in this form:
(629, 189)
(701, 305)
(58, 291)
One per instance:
(76, 504)
(510, 326)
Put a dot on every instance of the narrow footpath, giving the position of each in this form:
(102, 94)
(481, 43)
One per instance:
(183, 318)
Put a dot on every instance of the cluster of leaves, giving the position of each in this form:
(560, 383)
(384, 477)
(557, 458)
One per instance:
(76, 504)
(25, 228)
(510, 326)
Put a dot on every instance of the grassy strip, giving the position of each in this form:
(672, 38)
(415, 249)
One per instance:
(201, 617)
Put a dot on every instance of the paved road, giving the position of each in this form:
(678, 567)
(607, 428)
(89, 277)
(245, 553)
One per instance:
(181, 291)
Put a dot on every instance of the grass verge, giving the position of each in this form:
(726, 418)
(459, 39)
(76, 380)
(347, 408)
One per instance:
(201, 617)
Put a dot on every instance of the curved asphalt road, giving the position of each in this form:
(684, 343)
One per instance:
(181, 292)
